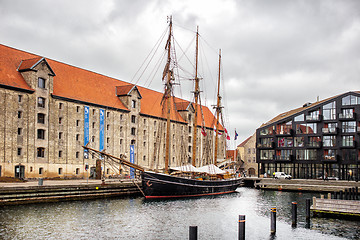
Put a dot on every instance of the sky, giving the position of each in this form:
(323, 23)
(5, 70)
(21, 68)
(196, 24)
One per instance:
(276, 55)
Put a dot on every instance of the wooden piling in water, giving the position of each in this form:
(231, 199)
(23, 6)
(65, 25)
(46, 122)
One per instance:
(308, 209)
(273, 221)
(241, 227)
(294, 214)
(193, 233)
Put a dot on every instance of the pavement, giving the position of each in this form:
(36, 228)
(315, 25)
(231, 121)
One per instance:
(72, 182)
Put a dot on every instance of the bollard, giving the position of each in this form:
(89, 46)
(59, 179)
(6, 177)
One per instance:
(241, 227)
(341, 195)
(40, 182)
(193, 233)
(346, 197)
(353, 193)
(294, 214)
(273, 221)
(308, 209)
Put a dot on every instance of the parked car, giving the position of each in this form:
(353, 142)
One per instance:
(282, 175)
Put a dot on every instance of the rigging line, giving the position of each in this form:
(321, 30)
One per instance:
(187, 29)
(157, 45)
(184, 52)
(211, 47)
(155, 69)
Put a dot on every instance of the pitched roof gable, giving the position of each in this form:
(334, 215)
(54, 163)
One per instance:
(244, 142)
(30, 64)
(126, 90)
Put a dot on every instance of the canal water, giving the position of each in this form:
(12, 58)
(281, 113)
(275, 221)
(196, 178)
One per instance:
(135, 218)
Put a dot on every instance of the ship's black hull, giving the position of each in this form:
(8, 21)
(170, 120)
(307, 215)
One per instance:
(157, 185)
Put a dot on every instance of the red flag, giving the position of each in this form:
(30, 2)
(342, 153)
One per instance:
(227, 135)
(203, 132)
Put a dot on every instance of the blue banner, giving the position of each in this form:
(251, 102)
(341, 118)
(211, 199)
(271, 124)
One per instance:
(132, 160)
(86, 130)
(101, 135)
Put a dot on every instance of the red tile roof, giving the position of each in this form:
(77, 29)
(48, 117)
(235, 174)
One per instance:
(83, 85)
(10, 59)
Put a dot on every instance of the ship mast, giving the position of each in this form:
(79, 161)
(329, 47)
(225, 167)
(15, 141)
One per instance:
(196, 95)
(218, 109)
(167, 96)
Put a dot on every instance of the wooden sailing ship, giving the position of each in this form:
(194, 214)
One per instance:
(194, 182)
(185, 181)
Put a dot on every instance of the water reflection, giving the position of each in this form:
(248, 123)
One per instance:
(216, 218)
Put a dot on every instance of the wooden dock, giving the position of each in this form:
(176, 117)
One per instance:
(336, 207)
(302, 185)
(54, 191)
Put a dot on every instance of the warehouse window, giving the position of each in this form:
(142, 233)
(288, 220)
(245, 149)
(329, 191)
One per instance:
(41, 118)
(40, 152)
(41, 102)
(41, 171)
(41, 134)
(133, 131)
(19, 151)
(60, 170)
(19, 131)
(41, 82)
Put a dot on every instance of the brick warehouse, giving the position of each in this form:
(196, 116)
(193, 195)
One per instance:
(49, 109)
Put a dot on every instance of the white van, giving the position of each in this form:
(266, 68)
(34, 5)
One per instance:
(282, 175)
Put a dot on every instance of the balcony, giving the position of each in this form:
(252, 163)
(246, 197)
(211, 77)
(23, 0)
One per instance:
(331, 158)
(287, 132)
(314, 145)
(266, 145)
(330, 131)
(313, 118)
(284, 158)
(347, 116)
(350, 144)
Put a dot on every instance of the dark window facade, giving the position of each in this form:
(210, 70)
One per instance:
(308, 142)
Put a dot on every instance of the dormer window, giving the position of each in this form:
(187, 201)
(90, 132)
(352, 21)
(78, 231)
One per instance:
(41, 82)
(133, 104)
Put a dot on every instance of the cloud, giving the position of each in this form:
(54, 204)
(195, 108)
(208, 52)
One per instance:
(276, 54)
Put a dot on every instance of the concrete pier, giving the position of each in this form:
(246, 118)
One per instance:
(64, 190)
(302, 185)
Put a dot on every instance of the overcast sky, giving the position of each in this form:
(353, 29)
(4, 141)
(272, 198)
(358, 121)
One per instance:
(276, 54)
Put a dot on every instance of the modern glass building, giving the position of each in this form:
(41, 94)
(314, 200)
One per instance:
(317, 140)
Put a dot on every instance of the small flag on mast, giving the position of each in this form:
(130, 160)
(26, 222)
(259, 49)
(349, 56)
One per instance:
(203, 132)
(236, 135)
(227, 135)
